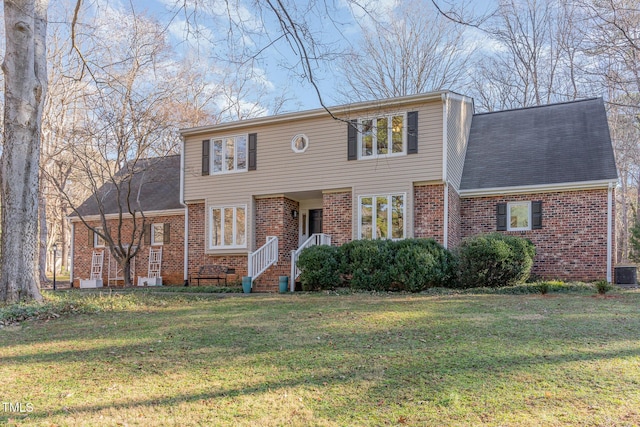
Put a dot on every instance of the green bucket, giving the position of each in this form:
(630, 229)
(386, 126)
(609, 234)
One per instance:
(246, 284)
(284, 284)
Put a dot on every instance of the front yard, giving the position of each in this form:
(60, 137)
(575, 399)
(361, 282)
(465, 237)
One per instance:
(329, 360)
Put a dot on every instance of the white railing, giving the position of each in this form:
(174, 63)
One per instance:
(314, 240)
(263, 258)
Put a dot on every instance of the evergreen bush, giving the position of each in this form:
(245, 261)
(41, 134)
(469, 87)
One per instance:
(494, 260)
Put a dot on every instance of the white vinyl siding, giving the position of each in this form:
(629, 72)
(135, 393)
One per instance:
(459, 115)
(323, 166)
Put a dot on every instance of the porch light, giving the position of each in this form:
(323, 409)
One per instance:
(294, 214)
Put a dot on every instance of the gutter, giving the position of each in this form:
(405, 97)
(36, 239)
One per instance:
(610, 230)
(544, 188)
(186, 216)
(445, 152)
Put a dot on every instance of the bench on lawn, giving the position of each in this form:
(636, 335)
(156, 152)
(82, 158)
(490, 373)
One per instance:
(212, 272)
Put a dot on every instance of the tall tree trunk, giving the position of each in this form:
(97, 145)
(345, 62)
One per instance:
(25, 77)
(42, 246)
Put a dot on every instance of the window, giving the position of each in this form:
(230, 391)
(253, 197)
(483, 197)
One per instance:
(227, 227)
(98, 241)
(518, 216)
(382, 217)
(300, 143)
(382, 136)
(229, 154)
(157, 234)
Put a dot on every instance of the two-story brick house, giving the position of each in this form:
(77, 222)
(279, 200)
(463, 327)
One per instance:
(414, 166)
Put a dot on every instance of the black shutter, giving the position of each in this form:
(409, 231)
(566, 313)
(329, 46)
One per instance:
(147, 234)
(352, 140)
(536, 215)
(253, 151)
(501, 216)
(91, 241)
(206, 146)
(167, 233)
(412, 132)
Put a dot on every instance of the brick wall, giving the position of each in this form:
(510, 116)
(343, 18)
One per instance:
(273, 218)
(428, 202)
(455, 219)
(197, 255)
(337, 217)
(172, 252)
(572, 244)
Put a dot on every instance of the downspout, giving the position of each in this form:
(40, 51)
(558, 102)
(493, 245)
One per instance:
(445, 150)
(609, 230)
(73, 238)
(186, 215)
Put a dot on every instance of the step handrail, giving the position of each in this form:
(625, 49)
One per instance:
(263, 258)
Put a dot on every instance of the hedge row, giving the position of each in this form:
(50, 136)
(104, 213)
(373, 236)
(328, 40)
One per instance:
(491, 260)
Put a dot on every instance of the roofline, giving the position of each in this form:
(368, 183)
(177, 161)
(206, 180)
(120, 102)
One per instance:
(563, 186)
(318, 112)
(538, 106)
(126, 215)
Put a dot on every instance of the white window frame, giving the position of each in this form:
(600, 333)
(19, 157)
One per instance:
(293, 143)
(153, 234)
(97, 239)
(523, 203)
(234, 230)
(223, 139)
(375, 154)
(389, 215)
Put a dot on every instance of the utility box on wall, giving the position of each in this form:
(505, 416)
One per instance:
(626, 275)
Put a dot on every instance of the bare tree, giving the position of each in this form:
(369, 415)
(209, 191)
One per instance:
(25, 73)
(411, 50)
(535, 56)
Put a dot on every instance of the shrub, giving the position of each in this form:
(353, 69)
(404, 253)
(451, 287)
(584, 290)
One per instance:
(494, 260)
(602, 286)
(369, 264)
(320, 268)
(543, 287)
(421, 264)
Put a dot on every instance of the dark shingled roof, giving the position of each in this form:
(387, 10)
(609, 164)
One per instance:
(551, 144)
(160, 181)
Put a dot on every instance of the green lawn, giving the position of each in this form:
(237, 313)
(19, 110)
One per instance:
(329, 360)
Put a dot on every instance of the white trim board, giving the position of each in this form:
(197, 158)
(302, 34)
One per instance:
(565, 186)
(149, 214)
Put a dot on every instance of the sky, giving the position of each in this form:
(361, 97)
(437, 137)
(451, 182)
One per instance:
(276, 67)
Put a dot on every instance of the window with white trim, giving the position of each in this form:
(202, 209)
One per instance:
(381, 216)
(227, 227)
(382, 136)
(229, 154)
(98, 241)
(300, 143)
(518, 216)
(157, 234)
